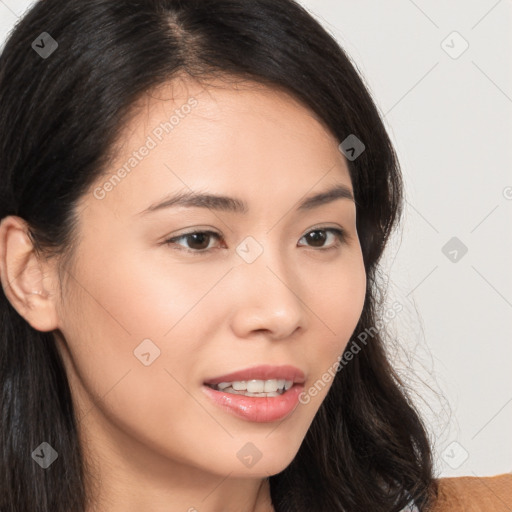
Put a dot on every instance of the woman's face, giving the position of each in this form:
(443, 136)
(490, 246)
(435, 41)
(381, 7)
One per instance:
(146, 323)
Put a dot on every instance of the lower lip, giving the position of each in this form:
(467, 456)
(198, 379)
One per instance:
(258, 409)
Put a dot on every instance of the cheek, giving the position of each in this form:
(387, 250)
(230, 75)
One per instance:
(115, 308)
(338, 307)
(338, 291)
(137, 297)
(128, 311)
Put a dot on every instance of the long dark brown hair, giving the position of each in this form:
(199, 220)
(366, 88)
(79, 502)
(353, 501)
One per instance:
(60, 116)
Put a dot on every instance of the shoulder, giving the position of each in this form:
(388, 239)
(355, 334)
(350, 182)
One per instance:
(474, 494)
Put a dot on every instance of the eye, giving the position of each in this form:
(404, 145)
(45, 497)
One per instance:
(197, 238)
(198, 241)
(312, 236)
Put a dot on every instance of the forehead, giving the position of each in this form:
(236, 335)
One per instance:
(226, 137)
(208, 111)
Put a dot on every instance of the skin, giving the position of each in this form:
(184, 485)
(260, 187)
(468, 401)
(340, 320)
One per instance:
(153, 439)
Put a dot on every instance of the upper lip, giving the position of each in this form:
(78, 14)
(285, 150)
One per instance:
(262, 372)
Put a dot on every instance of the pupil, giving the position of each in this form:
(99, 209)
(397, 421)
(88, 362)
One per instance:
(202, 236)
(317, 238)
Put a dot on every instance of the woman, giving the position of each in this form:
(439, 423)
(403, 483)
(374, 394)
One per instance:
(195, 197)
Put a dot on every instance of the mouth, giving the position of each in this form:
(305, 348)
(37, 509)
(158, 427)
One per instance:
(259, 381)
(254, 387)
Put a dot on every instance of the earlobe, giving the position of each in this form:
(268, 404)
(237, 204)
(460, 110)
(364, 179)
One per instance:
(27, 282)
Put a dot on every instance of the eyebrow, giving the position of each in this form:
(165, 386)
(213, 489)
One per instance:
(234, 205)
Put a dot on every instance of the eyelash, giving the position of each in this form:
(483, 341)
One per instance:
(340, 234)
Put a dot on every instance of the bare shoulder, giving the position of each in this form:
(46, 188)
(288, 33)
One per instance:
(473, 493)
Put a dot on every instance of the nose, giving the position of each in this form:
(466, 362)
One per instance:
(267, 297)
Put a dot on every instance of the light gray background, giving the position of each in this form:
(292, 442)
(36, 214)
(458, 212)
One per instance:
(449, 114)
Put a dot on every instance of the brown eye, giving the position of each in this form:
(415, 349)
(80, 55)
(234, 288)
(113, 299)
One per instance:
(317, 237)
(198, 241)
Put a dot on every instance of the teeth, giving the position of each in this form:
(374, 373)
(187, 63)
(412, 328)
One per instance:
(271, 387)
(281, 383)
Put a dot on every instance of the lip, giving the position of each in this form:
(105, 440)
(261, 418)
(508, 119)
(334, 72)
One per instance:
(262, 372)
(256, 409)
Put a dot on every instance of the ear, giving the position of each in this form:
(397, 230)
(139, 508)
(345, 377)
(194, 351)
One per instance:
(28, 283)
